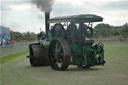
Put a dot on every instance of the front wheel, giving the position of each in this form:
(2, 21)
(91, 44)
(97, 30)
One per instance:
(38, 55)
(59, 54)
(36, 62)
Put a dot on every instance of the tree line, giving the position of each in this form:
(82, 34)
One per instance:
(106, 30)
(25, 36)
(100, 30)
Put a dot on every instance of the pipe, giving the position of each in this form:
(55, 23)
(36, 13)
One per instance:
(47, 17)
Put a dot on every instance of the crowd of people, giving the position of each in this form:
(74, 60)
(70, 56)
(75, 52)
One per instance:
(6, 43)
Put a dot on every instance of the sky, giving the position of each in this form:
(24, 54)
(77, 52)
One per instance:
(23, 16)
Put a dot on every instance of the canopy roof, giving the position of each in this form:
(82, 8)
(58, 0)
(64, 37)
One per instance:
(77, 18)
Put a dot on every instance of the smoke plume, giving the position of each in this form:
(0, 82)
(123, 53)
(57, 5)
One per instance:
(44, 5)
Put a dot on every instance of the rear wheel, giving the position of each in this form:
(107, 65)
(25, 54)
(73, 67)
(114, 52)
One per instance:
(59, 54)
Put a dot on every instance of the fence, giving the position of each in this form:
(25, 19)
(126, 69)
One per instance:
(24, 46)
(16, 48)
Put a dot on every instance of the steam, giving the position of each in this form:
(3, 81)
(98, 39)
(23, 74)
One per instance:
(44, 5)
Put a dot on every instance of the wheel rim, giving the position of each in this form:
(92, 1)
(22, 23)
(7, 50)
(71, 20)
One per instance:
(59, 54)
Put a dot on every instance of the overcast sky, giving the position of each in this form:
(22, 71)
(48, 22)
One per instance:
(22, 15)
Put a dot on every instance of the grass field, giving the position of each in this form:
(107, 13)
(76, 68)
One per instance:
(115, 72)
(16, 48)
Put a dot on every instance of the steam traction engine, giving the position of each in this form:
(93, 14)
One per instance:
(67, 42)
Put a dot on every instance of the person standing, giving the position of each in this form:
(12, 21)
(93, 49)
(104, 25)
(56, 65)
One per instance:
(4, 43)
(11, 43)
(0, 42)
(121, 38)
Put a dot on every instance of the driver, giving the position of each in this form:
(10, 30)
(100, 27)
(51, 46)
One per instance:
(81, 31)
(72, 32)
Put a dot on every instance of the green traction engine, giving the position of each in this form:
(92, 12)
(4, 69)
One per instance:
(67, 41)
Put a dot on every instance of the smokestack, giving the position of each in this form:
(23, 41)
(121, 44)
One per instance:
(47, 17)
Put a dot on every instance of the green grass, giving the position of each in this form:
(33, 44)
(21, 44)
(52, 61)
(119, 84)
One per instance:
(16, 48)
(115, 71)
(9, 57)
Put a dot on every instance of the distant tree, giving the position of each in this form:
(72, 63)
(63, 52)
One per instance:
(102, 30)
(106, 30)
(124, 30)
(28, 36)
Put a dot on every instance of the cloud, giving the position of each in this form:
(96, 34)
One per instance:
(20, 7)
(114, 12)
(23, 19)
(118, 5)
(21, 15)
(11, 4)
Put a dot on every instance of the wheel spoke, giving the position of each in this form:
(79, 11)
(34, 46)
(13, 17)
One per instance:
(54, 58)
(61, 54)
(59, 62)
(57, 55)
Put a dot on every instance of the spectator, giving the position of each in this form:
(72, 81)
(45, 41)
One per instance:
(0, 42)
(121, 38)
(11, 43)
(4, 43)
